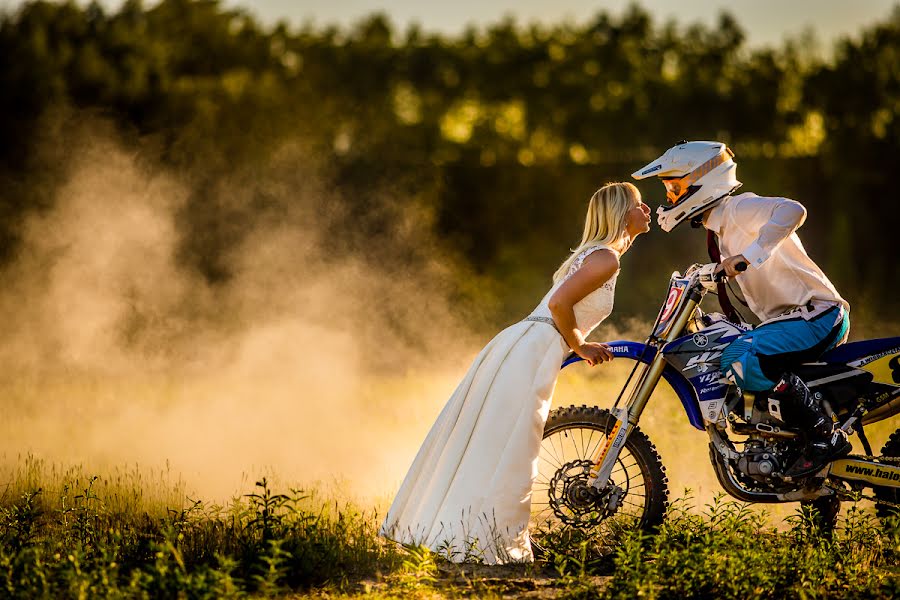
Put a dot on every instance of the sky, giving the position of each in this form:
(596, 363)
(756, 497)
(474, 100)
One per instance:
(766, 22)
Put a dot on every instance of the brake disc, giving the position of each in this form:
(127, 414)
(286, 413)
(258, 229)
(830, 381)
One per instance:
(576, 503)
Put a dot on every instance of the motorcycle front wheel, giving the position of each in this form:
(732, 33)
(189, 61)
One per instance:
(572, 436)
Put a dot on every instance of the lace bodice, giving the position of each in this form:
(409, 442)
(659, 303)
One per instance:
(591, 310)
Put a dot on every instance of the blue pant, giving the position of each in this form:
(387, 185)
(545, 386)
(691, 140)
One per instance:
(758, 358)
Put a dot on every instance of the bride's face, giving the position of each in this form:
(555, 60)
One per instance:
(637, 219)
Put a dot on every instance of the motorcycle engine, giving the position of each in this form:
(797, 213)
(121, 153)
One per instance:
(759, 460)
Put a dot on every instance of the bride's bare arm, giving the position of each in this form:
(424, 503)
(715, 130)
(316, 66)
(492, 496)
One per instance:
(597, 269)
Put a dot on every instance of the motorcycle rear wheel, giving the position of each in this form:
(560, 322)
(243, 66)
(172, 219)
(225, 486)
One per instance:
(825, 517)
(572, 435)
(892, 449)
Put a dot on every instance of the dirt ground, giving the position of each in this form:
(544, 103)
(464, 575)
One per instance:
(472, 581)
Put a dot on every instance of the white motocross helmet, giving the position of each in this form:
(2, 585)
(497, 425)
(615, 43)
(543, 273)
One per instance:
(696, 175)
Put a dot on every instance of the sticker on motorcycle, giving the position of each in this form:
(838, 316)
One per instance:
(671, 302)
(701, 362)
(868, 471)
(712, 410)
(885, 370)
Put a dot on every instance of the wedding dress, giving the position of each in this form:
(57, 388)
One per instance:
(467, 495)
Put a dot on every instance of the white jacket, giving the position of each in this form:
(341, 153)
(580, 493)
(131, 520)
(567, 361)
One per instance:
(781, 275)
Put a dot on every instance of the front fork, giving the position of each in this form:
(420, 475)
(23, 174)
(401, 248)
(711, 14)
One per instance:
(628, 416)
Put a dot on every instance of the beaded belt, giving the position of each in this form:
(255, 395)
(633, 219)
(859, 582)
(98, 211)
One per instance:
(546, 320)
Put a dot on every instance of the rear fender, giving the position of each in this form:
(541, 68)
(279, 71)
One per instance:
(645, 354)
(881, 359)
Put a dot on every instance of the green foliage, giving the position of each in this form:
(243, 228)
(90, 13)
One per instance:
(267, 544)
(727, 551)
(18, 523)
(418, 568)
(264, 544)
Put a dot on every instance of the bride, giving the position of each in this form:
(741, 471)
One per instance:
(468, 493)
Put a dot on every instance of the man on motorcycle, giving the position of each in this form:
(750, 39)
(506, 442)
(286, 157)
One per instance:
(802, 313)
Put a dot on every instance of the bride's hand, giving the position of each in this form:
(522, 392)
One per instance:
(594, 353)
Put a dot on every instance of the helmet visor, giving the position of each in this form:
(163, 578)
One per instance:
(677, 187)
(674, 189)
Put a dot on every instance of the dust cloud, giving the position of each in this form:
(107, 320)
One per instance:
(309, 362)
(312, 362)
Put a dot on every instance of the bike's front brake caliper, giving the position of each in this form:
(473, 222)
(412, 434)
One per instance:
(613, 499)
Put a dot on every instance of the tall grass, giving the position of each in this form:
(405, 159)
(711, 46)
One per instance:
(66, 534)
(727, 550)
(73, 541)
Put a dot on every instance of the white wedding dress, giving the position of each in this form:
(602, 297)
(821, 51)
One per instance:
(468, 493)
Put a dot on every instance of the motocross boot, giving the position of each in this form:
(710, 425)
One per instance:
(823, 442)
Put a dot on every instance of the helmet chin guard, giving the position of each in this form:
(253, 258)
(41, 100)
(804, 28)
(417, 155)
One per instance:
(696, 175)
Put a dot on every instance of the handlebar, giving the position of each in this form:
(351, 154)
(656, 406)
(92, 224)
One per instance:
(739, 267)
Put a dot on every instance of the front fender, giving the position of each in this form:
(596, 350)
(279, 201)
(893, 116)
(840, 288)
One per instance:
(645, 354)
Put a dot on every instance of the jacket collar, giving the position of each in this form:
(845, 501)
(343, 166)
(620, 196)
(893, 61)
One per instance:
(713, 221)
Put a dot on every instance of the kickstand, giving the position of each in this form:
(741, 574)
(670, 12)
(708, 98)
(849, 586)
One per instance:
(858, 426)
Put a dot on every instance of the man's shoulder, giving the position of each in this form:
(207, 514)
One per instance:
(743, 196)
(733, 203)
(753, 199)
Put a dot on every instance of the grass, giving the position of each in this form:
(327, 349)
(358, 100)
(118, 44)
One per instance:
(729, 551)
(65, 534)
(69, 540)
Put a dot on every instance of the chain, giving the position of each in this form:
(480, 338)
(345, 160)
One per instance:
(856, 496)
(891, 460)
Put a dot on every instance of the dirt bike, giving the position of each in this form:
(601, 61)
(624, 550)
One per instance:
(596, 463)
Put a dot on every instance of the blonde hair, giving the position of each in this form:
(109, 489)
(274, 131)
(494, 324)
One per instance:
(604, 224)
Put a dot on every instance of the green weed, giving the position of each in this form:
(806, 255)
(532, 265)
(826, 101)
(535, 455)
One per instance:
(77, 544)
(728, 551)
(75, 537)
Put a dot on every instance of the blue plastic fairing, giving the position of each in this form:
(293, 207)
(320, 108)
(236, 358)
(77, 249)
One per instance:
(855, 350)
(645, 354)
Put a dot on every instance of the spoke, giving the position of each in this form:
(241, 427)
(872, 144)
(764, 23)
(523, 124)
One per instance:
(550, 508)
(602, 439)
(560, 440)
(624, 475)
(559, 458)
(587, 446)
(544, 457)
(552, 453)
(547, 450)
(583, 432)
(574, 445)
(633, 464)
(583, 447)
(546, 469)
